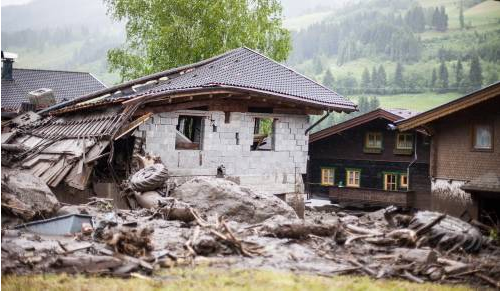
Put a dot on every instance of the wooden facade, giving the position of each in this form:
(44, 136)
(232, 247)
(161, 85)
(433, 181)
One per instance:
(465, 153)
(359, 161)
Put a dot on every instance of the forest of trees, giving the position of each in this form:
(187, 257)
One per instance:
(393, 35)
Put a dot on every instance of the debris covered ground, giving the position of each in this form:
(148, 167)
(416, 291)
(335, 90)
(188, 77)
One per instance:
(217, 222)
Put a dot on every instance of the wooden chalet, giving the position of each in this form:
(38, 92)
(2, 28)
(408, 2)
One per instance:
(465, 153)
(364, 161)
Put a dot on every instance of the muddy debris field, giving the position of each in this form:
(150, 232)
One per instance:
(215, 222)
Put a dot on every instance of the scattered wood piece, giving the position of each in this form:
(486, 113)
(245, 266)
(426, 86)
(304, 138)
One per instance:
(492, 282)
(411, 277)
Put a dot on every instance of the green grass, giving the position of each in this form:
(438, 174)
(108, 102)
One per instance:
(209, 279)
(419, 102)
(303, 21)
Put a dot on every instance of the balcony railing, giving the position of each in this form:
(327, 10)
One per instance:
(370, 196)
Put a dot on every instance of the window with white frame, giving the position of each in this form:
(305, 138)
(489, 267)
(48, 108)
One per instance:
(483, 137)
(404, 141)
(353, 177)
(327, 176)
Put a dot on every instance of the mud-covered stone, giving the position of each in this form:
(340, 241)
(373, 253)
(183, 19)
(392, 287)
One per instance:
(216, 196)
(26, 196)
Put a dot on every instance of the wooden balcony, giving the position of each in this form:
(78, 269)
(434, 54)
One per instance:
(371, 197)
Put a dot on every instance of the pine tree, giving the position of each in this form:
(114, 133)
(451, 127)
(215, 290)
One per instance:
(443, 77)
(461, 15)
(475, 74)
(375, 82)
(433, 78)
(382, 78)
(398, 76)
(363, 105)
(459, 74)
(317, 65)
(374, 103)
(365, 80)
(436, 19)
(328, 79)
(443, 19)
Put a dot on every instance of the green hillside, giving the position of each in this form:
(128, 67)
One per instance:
(382, 33)
(344, 41)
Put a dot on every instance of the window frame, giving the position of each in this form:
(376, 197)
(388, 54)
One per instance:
(271, 136)
(401, 185)
(396, 175)
(185, 146)
(347, 171)
(405, 134)
(331, 169)
(490, 126)
(373, 149)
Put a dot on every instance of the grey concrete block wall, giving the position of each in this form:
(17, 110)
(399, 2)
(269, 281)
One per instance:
(276, 171)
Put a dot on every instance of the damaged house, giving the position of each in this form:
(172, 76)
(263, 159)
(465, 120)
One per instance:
(34, 89)
(363, 161)
(465, 154)
(240, 115)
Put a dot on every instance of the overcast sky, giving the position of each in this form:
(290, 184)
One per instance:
(14, 2)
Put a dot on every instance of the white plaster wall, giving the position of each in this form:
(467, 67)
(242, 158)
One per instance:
(277, 171)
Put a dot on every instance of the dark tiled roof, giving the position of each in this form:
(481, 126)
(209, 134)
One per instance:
(66, 85)
(246, 68)
(489, 182)
(239, 69)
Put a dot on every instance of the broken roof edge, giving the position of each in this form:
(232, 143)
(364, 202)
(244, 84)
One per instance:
(451, 107)
(186, 92)
(133, 82)
(353, 122)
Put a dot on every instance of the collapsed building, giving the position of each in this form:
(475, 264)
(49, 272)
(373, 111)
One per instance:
(240, 115)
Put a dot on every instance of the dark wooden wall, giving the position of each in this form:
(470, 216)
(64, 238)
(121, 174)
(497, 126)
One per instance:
(345, 150)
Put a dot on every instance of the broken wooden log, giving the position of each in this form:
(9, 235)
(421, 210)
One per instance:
(86, 263)
(297, 229)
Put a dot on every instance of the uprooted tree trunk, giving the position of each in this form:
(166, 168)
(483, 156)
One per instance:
(296, 229)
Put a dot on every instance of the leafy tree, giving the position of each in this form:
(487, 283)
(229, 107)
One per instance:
(443, 81)
(365, 80)
(162, 34)
(475, 74)
(398, 76)
(328, 79)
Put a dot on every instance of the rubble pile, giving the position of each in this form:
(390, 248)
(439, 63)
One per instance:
(222, 224)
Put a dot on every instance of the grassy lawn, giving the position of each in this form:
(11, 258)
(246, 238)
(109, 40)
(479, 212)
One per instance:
(202, 278)
(419, 102)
